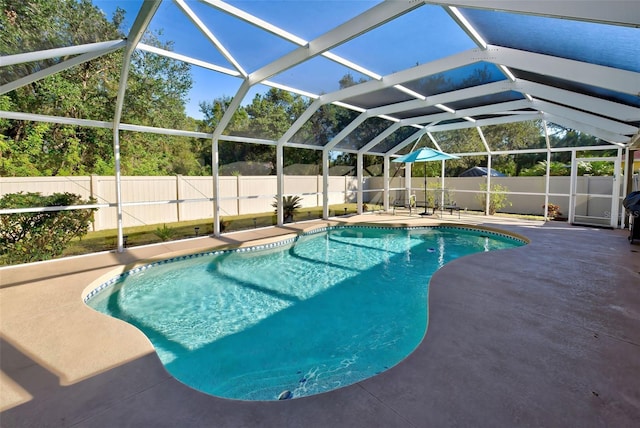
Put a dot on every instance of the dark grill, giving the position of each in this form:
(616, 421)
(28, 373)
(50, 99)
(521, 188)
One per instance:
(632, 204)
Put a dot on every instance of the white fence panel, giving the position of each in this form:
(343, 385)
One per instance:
(47, 185)
(299, 184)
(560, 185)
(104, 190)
(149, 189)
(336, 190)
(464, 191)
(195, 188)
(261, 189)
(228, 186)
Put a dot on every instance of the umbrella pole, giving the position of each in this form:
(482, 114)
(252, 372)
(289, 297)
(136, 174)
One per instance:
(426, 210)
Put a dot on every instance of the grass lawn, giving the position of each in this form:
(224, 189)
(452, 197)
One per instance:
(105, 240)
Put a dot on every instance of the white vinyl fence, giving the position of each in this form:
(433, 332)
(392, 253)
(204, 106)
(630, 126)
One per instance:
(526, 195)
(156, 200)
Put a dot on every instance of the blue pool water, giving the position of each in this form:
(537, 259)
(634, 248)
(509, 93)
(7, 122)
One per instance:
(324, 311)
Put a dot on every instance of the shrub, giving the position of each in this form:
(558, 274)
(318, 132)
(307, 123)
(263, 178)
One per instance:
(33, 236)
(540, 169)
(164, 233)
(290, 204)
(553, 211)
(497, 200)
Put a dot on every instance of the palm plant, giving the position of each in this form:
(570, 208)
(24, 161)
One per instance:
(290, 204)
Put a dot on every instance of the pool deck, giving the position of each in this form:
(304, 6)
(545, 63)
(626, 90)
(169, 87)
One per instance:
(545, 335)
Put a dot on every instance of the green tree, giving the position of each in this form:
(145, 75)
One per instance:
(156, 94)
(513, 136)
(273, 113)
(213, 112)
(80, 92)
(458, 141)
(268, 116)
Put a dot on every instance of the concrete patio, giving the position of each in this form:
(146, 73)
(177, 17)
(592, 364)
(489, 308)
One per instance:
(543, 335)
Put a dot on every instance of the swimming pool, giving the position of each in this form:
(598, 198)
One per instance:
(295, 318)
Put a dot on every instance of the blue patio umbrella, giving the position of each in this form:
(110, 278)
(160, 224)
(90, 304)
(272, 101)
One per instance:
(425, 154)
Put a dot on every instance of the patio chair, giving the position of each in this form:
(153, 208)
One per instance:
(448, 205)
(401, 203)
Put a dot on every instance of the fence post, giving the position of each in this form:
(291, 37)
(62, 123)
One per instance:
(238, 195)
(345, 189)
(93, 191)
(179, 195)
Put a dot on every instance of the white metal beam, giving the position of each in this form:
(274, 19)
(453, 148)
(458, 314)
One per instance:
(187, 59)
(447, 97)
(253, 20)
(615, 12)
(217, 133)
(599, 106)
(614, 79)
(359, 179)
(434, 141)
(60, 52)
(209, 35)
(55, 119)
(147, 10)
(290, 89)
(346, 131)
(279, 32)
(484, 140)
(540, 150)
(498, 108)
(325, 184)
(380, 137)
(498, 87)
(108, 125)
(300, 121)
(249, 140)
(459, 18)
(406, 141)
(233, 106)
(348, 106)
(398, 107)
(586, 128)
(56, 68)
(485, 122)
(619, 80)
(279, 185)
(472, 92)
(385, 172)
(368, 20)
(579, 116)
(413, 73)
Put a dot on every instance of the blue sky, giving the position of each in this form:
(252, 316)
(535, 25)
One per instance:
(418, 37)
